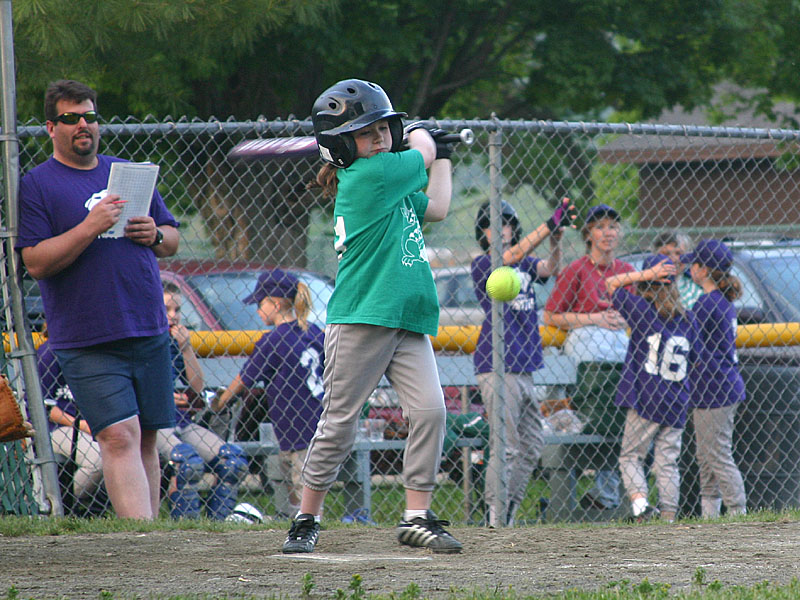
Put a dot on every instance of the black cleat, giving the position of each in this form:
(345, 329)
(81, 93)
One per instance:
(428, 532)
(303, 535)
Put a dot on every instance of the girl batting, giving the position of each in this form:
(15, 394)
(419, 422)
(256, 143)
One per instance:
(384, 305)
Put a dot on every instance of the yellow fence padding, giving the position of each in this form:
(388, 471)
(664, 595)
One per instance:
(463, 339)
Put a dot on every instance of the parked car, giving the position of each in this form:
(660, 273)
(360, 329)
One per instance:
(214, 291)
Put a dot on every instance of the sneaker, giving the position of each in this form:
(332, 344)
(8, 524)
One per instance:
(303, 535)
(359, 516)
(428, 532)
(650, 513)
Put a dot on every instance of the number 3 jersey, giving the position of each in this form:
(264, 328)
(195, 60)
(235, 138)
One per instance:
(655, 378)
(289, 361)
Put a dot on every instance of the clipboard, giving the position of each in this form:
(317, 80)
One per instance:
(134, 183)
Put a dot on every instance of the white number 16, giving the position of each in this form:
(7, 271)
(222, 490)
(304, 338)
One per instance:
(673, 364)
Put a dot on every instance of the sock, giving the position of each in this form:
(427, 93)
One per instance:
(639, 505)
(317, 518)
(409, 514)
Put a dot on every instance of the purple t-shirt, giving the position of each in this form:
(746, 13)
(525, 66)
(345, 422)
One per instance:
(289, 362)
(655, 378)
(112, 290)
(521, 326)
(717, 381)
(55, 391)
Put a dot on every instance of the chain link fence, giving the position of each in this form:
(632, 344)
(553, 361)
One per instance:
(560, 434)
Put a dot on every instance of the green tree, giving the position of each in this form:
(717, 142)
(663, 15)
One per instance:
(148, 57)
(516, 58)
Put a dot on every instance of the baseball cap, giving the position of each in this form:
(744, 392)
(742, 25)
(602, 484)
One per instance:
(596, 213)
(652, 260)
(275, 283)
(710, 253)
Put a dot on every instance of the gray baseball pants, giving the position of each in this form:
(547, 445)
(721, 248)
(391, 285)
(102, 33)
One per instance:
(720, 478)
(639, 434)
(523, 443)
(356, 357)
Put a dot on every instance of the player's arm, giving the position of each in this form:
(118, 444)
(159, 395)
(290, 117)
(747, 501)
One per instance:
(63, 418)
(659, 272)
(570, 320)
(55, 254)
(440, 190)
(235, 388)
(551, 266)
(562, 217)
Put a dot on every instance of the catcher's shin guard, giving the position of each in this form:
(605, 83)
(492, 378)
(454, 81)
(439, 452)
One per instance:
(231, 467)
(189, 468)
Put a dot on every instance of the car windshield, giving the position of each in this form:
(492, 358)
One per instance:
(782, 275)
(455, 290)
(225, 292)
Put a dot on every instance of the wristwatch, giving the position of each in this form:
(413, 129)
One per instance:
(159, 238)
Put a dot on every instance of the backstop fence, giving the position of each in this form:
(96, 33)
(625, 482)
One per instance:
(549, 447)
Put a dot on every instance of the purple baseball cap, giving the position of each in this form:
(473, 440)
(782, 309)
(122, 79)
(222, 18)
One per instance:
(275, 283)
(596, 213)
(710, 253)
(652, 260)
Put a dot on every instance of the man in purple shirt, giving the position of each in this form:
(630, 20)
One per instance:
(102, 296)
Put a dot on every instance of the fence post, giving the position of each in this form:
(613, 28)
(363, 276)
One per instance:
(25, 355)
(497, 418)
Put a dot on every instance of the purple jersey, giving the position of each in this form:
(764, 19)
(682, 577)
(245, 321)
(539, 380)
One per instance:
(655, 377)
(113, 289)
(521, 326)
(289, 362)
(717, 381)
(55, 391)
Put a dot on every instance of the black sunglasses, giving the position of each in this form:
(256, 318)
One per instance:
(71, 118)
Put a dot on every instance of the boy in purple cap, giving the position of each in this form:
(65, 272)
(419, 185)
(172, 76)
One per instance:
(102, 296)
(718, 385)
(654, 386)
(288, 361)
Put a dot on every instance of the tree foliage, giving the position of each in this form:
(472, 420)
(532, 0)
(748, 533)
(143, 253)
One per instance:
(470, 58)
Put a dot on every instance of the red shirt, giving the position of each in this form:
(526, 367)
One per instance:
(581, 286)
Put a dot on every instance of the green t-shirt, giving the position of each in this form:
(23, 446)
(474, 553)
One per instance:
(384, 276)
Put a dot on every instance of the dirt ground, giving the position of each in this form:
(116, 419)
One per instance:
(532, 560)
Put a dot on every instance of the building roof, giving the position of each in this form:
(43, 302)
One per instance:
(743, 135)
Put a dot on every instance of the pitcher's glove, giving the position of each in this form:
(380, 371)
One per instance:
(12, 425)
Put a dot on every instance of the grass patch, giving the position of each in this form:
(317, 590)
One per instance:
(622, 590)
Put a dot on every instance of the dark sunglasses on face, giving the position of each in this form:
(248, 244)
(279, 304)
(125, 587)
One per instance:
(71, 118)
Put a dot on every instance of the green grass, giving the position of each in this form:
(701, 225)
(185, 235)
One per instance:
(622, 590)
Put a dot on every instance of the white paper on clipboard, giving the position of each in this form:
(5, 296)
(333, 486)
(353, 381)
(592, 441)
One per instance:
(134, 183)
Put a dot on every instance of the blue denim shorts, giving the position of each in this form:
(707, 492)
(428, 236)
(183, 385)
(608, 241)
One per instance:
(117, 380)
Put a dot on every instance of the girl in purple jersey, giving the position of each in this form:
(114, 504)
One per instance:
(521, 417)
(288, 360)
(718, 385)
(654, 386)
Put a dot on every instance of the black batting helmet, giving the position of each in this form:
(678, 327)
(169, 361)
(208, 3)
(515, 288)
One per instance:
(509, 216)
(345, 107)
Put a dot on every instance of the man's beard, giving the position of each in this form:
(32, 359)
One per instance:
(84, 150)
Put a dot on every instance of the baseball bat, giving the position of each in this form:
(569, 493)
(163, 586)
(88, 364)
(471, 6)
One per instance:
(304, 146)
